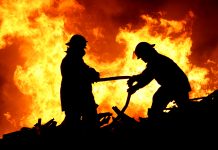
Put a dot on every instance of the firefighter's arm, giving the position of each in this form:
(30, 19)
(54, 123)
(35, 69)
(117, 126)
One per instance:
(139, 81)
(132, 80)
(133, 84)
(94, 75)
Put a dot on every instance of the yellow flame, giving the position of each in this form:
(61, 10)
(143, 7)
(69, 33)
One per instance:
(178, 48)
(40, 76)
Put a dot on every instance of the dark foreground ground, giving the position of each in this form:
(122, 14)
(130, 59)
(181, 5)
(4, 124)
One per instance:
(195, 126)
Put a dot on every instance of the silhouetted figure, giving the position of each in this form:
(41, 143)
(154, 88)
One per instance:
(174, 84)
(77, 99)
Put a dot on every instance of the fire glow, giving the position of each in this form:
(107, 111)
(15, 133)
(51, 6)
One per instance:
(43, 45)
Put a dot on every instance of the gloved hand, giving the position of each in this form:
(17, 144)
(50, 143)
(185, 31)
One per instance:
(132, 89)
(131, 80)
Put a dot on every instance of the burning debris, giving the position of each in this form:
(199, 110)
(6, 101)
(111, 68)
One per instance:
(32, 46)
(197, 120)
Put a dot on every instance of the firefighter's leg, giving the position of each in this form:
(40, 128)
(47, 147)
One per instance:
(182, 100)
(89, 117)
(72, 119)
(160, 100)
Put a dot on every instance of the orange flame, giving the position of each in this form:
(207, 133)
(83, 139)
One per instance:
(45, 36)
(177, 48)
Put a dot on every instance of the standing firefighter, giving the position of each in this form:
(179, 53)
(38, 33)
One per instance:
(77, 99)
(174, 84)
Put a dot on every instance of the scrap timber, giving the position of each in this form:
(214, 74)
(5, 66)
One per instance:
(193, 123)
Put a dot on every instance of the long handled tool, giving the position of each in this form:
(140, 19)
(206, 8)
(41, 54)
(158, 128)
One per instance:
(113, 78)
(118, 78)
(124, 107)
(128, 96)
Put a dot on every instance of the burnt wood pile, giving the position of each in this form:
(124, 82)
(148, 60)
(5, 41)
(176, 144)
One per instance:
(197, 122)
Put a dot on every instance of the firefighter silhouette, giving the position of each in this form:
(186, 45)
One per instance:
(174, 84)
(77, 99)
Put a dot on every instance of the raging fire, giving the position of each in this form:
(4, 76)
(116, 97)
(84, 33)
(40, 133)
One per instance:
(45, 36)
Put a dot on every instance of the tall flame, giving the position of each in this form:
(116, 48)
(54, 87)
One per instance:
(44, 31)
(42, 48)
(171, 40)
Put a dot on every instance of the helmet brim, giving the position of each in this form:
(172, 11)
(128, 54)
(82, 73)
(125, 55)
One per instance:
(68, 43)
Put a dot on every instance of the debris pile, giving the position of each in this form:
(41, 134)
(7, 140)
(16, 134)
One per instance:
(195, 122)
